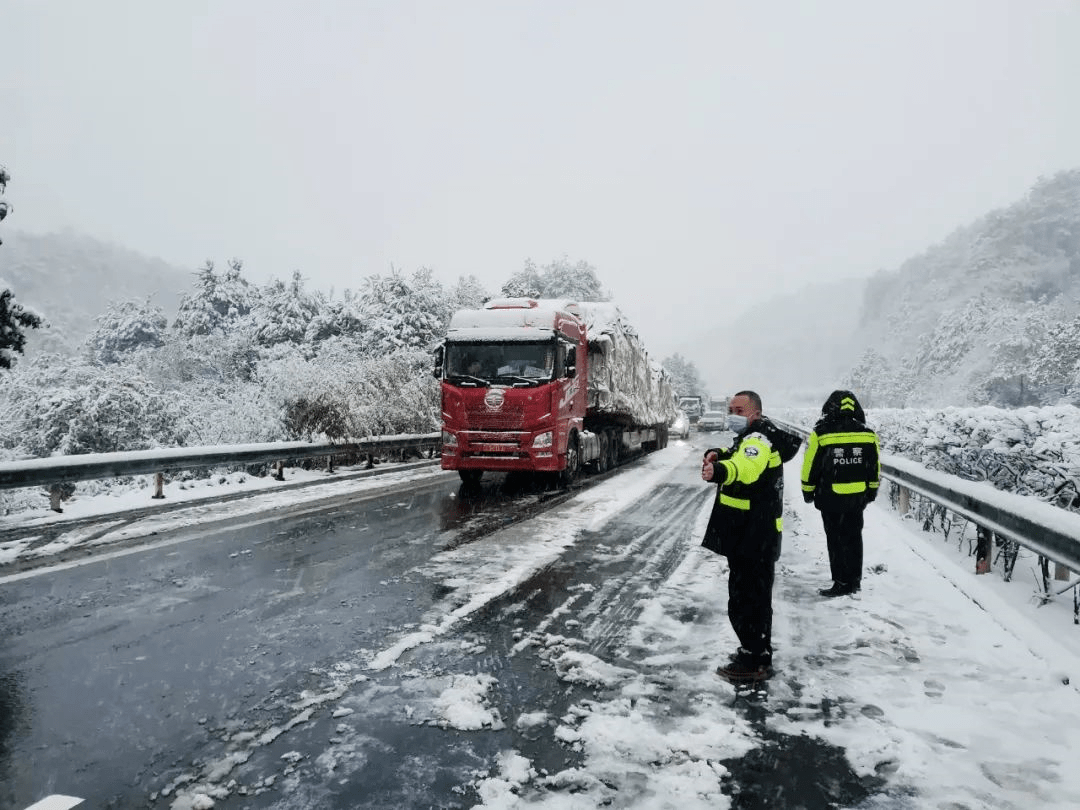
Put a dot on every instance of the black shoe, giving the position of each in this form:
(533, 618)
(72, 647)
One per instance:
(839, 589)
(745, 671)
(746, 667)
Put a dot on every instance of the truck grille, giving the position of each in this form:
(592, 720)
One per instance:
(508, 418)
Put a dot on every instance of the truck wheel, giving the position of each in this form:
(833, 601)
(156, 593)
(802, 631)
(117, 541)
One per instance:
(602, 458)
(471, 477)
(613, 450)
(573, 461)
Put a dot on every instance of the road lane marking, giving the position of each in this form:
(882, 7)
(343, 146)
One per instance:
(55, 802)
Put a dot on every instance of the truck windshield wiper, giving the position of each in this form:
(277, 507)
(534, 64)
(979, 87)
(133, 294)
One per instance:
(517, 378)
(468, 378)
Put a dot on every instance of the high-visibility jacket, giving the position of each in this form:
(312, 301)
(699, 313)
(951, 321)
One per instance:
(747, 515)
(842, 465)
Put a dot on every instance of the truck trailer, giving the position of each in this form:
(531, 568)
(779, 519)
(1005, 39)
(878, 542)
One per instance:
(547, 386)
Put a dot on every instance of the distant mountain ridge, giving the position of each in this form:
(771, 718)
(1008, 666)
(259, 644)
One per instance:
(971, 319)
(990, 315)
(70, 279)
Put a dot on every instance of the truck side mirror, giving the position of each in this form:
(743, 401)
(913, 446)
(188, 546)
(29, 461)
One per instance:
(571, 371)
(438, 357)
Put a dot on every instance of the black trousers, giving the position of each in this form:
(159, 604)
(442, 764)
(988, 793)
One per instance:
(843, 533)
(750, 584)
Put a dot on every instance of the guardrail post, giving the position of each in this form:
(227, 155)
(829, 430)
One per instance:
(279, 470)
(329, 464)
(54, 498)
(984, 541)
(159, 486)
(903, 498)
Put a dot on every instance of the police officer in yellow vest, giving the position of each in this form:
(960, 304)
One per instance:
(840, 475)
(745, 527)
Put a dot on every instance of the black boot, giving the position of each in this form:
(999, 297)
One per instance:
(838, 589)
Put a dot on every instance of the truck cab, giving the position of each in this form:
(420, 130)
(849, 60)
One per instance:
(512, 388)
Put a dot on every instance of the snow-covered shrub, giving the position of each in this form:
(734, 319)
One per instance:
(65, 406)
(1029, 451)
(126, 326)
(339, 394)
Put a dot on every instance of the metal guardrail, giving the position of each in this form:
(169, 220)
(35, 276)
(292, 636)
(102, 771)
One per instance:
(66, 469)
(1048, 530)
(1051, 532)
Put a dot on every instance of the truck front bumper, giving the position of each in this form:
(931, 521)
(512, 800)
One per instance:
(503, 451)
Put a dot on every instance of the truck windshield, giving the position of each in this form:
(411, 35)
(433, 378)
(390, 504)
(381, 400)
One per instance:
(510, 363)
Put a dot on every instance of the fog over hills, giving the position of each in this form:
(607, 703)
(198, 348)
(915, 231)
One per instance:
(793, 350)
(991, 314)
(70, 278)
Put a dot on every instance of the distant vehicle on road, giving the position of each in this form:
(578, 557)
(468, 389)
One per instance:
(713, 420)
(679, 428)
(718, 404)
(692, 407)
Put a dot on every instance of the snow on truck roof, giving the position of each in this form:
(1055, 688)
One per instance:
(534, 318)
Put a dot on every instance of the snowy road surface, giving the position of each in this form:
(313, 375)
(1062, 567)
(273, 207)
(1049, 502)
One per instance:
(564, 661)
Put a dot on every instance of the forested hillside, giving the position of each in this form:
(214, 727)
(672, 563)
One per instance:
(236, 362)
(989, 315)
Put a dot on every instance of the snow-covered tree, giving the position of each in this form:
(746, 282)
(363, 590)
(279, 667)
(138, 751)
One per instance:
(1056, 363)
(1008, 380)
(15, 319)
(218, 301)
(467, 293)
(284, 312)
(125, 327)
(526, 283)
(576, 280)
(402, 313)
(5, 178)
(559, 279)
(879, 382)
(335, 318)
(685, 379)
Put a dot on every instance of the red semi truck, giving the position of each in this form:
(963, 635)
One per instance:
(547, 386)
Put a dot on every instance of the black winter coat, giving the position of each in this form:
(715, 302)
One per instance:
(747, 514)
(842, 465)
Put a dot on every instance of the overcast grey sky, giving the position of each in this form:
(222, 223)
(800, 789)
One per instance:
(701, 155)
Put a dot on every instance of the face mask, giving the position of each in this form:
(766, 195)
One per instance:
(736, 423)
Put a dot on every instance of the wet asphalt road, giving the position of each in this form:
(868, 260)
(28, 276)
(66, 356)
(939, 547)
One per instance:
(122, 679)
(117, 676)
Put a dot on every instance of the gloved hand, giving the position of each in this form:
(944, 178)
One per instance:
(808, 497)
(870, 495)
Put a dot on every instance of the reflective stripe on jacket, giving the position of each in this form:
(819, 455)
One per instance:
(842, 466)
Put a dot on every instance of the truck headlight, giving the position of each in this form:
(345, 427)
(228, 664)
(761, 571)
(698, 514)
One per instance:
(542, 440)
(449, 439)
